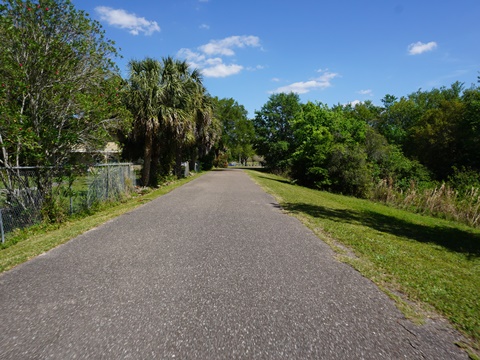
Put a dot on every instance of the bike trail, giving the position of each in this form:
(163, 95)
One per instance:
(213, 270)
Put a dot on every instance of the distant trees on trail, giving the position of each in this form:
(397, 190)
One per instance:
(423, 137)
(60, 91)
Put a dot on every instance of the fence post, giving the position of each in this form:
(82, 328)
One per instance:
(1, 227)
(108, 181)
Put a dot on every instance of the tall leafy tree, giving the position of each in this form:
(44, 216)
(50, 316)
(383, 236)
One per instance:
(273, 129)
(313, 143)
(469, 130)
(59, 85)
(244, 136)
(229, 112)
(238, 132)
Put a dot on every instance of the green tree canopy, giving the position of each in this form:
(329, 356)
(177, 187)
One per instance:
(273, 129)
(59, 86)
(238, 132)
(173, 115)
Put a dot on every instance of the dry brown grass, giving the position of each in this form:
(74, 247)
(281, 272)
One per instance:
(442, 201)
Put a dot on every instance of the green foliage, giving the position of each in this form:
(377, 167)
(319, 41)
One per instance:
(60, 90)
(435, 137)
(221, 161)
(398, 170)
(173, 116)
(313, 142)
(464, 179)
(468, 131)
(57, 80)
(396, 119)
(350, 149)
(349, 171)
(206, 161)
(273, 129)
(237, 131)
(330, 150)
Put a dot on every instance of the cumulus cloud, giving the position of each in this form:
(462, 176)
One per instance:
(419, 47)
(222, 70)
(208, 57)
(125, 20)
(225, 46)
(303, 87)
(210, 67)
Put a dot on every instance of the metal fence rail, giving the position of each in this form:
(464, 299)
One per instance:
(21, 203)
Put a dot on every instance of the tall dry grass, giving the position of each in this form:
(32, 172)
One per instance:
(442, 201)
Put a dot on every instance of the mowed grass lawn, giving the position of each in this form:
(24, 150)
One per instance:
(431, 263)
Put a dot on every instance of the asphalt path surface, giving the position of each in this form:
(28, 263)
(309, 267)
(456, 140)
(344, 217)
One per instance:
(212, 270)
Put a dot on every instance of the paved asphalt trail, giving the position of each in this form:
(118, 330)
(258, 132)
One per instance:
(212, 270)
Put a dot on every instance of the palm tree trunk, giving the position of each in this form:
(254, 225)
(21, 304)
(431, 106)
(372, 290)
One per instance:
(147, 155)
(178, 162)
(155, 164)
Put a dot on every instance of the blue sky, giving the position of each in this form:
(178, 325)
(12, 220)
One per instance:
(334, 52)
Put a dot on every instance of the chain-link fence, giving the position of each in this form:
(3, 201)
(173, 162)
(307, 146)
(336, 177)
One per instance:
(109, 182)
(21, 202)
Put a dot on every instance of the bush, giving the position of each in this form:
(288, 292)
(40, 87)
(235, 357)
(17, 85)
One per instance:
(464, 179)
(349, 172)
(221, 161)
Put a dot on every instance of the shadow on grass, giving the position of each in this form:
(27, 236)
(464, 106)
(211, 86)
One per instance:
(283, 181)
(456, 240)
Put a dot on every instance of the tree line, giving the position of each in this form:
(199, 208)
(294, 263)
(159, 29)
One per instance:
(61, 93)
(424, 137)
(60, 90)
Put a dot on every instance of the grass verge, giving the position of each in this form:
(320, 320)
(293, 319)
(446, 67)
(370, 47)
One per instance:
(36, 240)
(430, 263)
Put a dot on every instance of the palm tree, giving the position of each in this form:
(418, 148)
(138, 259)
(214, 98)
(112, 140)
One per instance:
(167, 99)
(181, 87)
(144, 101)
(208, 127)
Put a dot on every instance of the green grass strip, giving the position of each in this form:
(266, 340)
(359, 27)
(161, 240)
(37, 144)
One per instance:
(429, 262)
(39, 239)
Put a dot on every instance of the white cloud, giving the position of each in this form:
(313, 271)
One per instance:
(210, 67)
(255, 68)
(419, 47)
(303, 87)
(124, 20)
(366, 92)
(214, 66)
(222, 70)
(204, 26)
(194, 59)
(225, 46)
(275, 79)
(354, 103)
